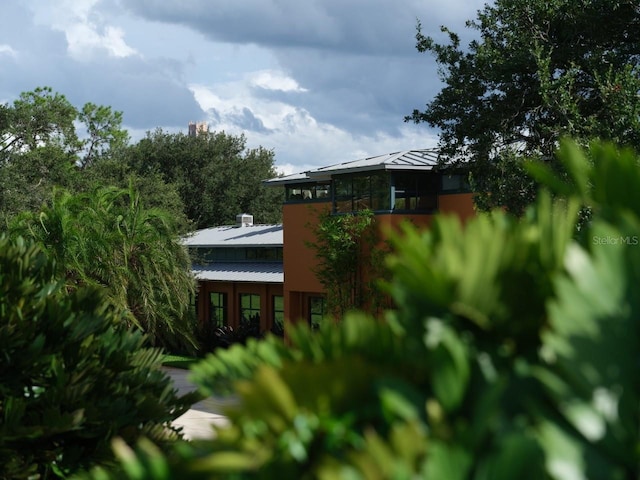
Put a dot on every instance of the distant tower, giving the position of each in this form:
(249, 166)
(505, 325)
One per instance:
(197, 128)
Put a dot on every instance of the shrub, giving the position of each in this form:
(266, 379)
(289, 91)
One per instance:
(71, 377)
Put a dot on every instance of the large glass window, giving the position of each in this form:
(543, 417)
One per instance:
(249, 307)
(218, 309)
(308, 192)
(362, 192)
(317, 312)
(415, 192)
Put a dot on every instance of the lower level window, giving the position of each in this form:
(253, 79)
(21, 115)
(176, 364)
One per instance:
(218, 309)
(278, 314)
(317, 307)
(249, 307)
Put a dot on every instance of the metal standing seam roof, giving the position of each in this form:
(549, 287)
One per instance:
(241, 272)
(424, 159)
(405, 160)
(233, 236)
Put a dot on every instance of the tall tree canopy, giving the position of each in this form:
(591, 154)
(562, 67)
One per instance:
(216, 176)
(45, 140)
(540, 70)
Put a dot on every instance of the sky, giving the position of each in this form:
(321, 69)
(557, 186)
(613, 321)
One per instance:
(318, 82)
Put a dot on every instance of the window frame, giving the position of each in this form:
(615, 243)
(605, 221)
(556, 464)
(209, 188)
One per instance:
(252, 308)
(223, 309)
(362, 191)
(317, 316)
(309, 192)
(420, 191)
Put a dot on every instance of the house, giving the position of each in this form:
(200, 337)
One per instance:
(397, 187)
(266, 272)
(240, 274)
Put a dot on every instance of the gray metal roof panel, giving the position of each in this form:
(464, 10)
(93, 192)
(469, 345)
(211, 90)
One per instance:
(240, 272)
(405, 160)
(293, 178)
(232, 236)
(424, 159)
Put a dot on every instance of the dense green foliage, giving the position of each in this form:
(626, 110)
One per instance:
(205, 180)
(538, 70)
(512, 354)
(40, 147)
(108, 239)
(216, 176)
(71, 377)
(349, 260)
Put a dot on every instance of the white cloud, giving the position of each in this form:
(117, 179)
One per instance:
(299, 140)
(8, 50)
(230, 99)
(318, 83)
(274, 80)
(86, 30)
(85, 38)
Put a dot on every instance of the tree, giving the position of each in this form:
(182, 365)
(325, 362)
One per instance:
(27, 180)
(539, 70)
(104, 131)
(217, 178)
(40, 148)
(154, 192)
(37, 118)
(72, 378)
(349, 261)
(107, 239)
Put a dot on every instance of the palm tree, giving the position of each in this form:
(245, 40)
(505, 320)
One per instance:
(107, 238)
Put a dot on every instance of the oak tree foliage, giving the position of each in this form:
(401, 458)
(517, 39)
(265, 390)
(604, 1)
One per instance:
(216, 176)
(537, 70)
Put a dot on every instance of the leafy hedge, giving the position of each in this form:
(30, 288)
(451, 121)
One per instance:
(71, 378)
(513, 354)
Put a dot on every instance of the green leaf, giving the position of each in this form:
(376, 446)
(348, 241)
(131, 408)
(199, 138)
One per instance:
(516, 456)
(449, 363)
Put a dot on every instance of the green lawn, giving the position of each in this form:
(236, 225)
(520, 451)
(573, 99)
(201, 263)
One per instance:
(179, 361)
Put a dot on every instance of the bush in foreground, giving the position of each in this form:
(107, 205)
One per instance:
(71, 377)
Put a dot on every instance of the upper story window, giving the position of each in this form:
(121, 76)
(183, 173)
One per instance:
(262, 254)
(308, 192)
(381, 191)
(415, 191)
(362, 192)
(205, 256)
(455, 183)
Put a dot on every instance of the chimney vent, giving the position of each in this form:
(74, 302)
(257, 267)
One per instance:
(244, 220)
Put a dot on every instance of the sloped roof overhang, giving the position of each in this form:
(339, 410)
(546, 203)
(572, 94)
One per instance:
(407, 160)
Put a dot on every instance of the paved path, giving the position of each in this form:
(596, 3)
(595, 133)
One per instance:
(198, 421)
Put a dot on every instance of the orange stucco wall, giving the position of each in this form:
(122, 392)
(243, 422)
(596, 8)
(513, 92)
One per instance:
(459, 203)
(299, 259)
(300, 282)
